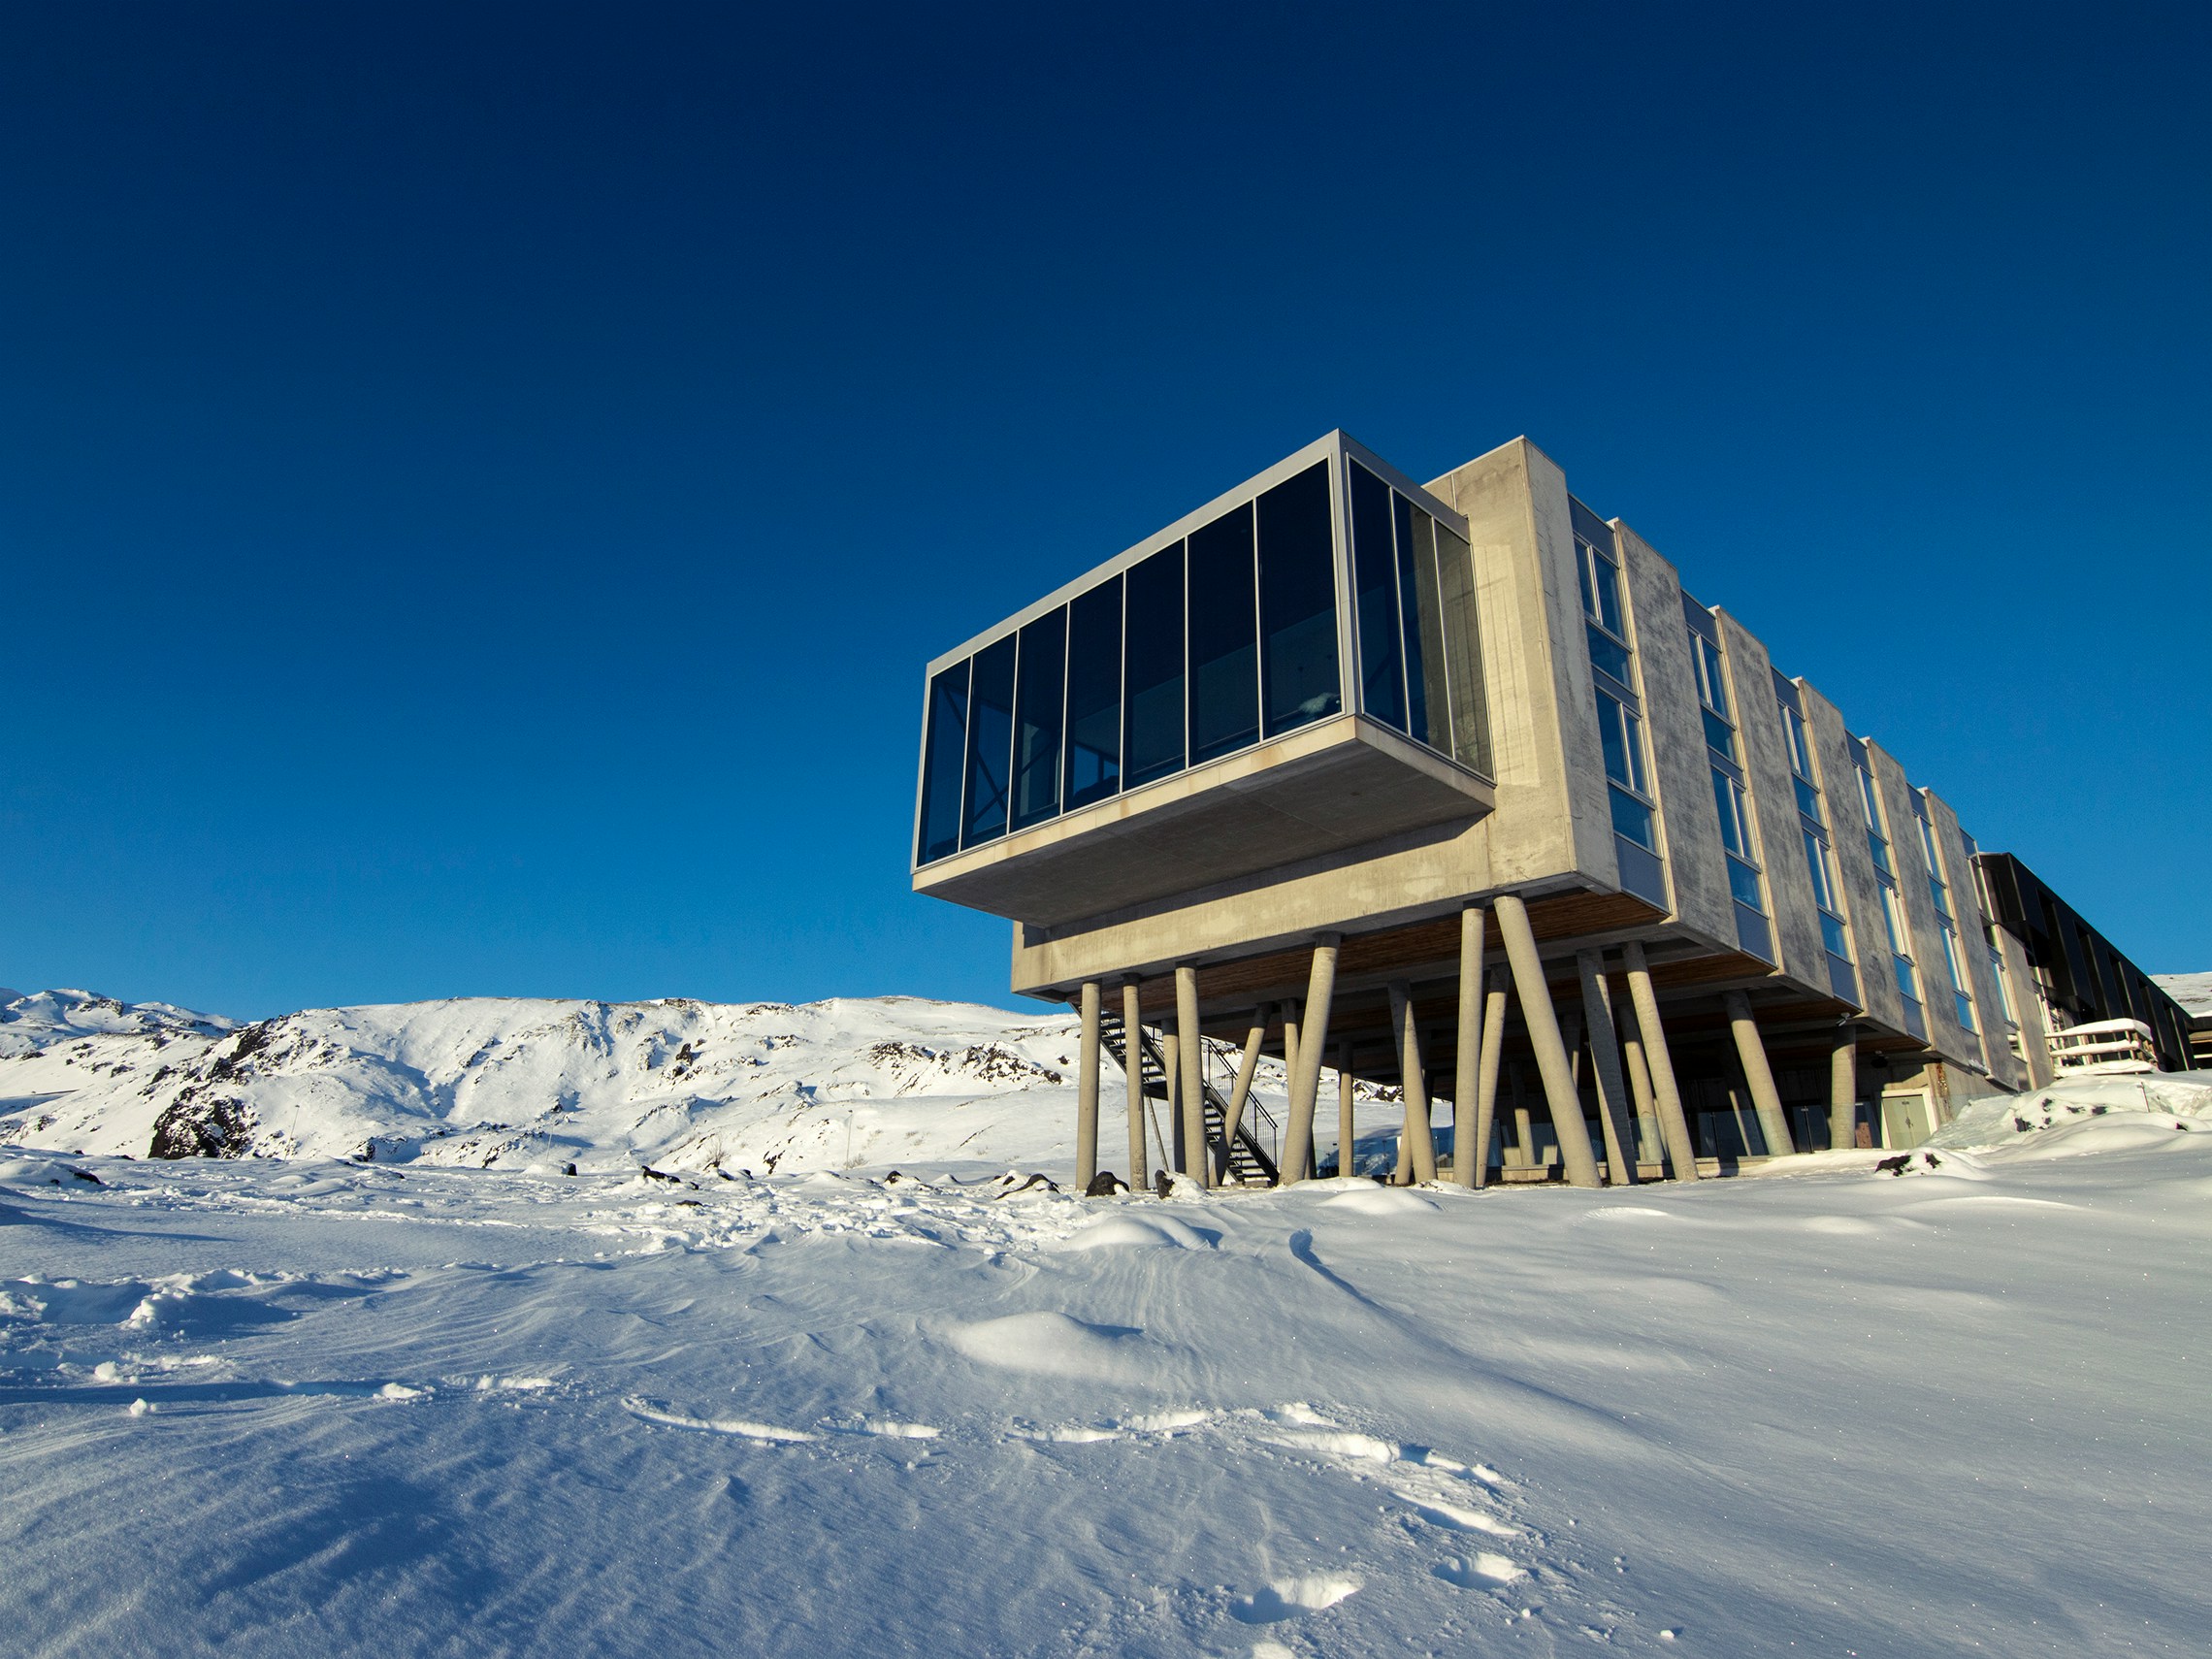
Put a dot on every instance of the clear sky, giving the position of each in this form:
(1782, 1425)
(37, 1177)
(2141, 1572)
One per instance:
(480, 482)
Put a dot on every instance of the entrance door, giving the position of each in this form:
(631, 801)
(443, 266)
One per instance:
(1908, 1118)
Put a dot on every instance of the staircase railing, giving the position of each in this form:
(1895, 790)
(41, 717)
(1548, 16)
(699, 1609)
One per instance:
(1251, 1155)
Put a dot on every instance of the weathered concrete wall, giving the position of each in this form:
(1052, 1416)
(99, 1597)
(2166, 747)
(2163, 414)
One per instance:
(1999, 1059)
(1861, 897)
(1794, 916)
(1944, 1033)
(1689, 828)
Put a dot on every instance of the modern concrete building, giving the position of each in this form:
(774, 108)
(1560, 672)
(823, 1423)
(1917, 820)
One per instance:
(1455, 786)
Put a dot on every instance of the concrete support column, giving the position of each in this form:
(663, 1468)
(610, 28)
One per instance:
(1086, 1093)
(1468, 1156)
(1191, 1051)
(1306, 1070)
(1574, 1135)
(1843, 1089)
(1247, 1066)
(1773, 1123)
(1673, 1121)
(1605, 1064)
(1348, 1092)
(1171, 1146)
(1133, 1069)
(1647, 1145)
(1413, 1074)
(1486, 1079)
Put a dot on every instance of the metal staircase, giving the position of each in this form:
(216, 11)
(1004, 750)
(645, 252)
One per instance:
(1248, 1161)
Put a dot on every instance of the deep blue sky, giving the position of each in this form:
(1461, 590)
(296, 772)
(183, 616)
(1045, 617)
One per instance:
(478, 483)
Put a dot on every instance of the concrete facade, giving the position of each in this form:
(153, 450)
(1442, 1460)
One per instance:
(1324, 889)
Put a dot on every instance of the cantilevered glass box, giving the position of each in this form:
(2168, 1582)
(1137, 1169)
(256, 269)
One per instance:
(1292, 671)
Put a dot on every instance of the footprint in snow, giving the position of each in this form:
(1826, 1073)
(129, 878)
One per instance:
(1484, 1571)
(1289, 1598)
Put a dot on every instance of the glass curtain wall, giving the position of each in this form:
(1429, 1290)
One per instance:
(1634, 805)
(1819, 857)
(1202, 648)
(1885, 878)
(1420, 655)
(1739, 837)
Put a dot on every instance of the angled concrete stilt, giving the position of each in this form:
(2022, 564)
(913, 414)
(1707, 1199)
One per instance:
(1647, 1145)
(1673, 1121)
(1306, 1076)
(1247, 1067)
(1133, 1069)
(1605, 1065)
(1773, 1122)
(1086, 1093)
(1190, 1051)
(1843, 1089)
(1468, 1152)
(1487, 1080)
(1413, 1073)
(1573, 1134)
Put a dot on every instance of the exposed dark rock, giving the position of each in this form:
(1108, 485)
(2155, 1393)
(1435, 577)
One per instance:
(203, 1128)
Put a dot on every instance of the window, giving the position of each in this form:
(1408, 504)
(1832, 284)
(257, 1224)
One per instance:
(1417, 603)
(943, 755)
(1605, 623)
(1040, 701)
(1225, 637)
(1816, 862)
(1375, 577)
(990, 743)
(1093, 694)
(1735, 830)
(1620, 730)
(1462, 651)
(1152, 690)
(1297, 602)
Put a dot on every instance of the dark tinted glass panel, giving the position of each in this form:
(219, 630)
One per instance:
(1094, 695)
(1297, 602)
(1608, 655)
(942, 756)
(990, 743)
(1225, 637)
(1633, 819)
(1375, 580)
(1462, 652)
(1436, 686)
(1153, 692)
(1410, 606)
(1038, 707)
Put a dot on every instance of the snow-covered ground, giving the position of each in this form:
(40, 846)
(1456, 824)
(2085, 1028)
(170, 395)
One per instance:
(312, 1406)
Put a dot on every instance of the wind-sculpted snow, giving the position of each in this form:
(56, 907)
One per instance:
(509, 1082)
(325, 1407)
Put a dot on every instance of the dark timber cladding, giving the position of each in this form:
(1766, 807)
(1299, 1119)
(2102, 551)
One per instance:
(1454, 789)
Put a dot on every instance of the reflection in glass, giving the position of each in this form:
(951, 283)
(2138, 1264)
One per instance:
(1375, 577)
(1037, 709)
(1402, 513)
(1297, 602)
(1225, 637)
(1153, 689)
(1462, 651)
(989, 745)
(1094, 695)
(941, 760)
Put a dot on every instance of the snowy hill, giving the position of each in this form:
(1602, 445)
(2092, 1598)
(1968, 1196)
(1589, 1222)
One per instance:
(515, 1083)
